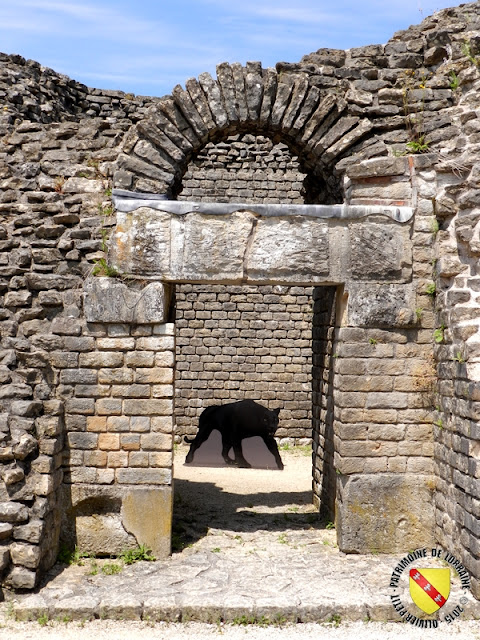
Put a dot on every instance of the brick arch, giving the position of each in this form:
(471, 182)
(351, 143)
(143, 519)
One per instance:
(313, 122)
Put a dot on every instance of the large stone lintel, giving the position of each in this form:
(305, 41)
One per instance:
(245, 247)
(238, 247)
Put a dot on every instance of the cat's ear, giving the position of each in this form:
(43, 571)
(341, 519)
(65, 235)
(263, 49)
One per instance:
(276, 411)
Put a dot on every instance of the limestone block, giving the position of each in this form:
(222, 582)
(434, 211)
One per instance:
(141, 243)
(31, 532)
(21, 578)
(27, 555)
(13, 512)
(117, 606)
(83, 185)
(81, 608)
(13, 475)
(91, 519)
(26, 408)
(380, 252)
(381, 305)
(295, 248)
(388, 166)
(385, 513)
(147, 514)
(108, 300)
(17, 298)
(214, 246)
(102, 534)
(161, 477)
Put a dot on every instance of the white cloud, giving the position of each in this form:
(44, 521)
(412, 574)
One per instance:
(82, 11)
(85, 20)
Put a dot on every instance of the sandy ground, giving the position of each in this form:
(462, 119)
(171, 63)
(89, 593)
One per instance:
(233, 501)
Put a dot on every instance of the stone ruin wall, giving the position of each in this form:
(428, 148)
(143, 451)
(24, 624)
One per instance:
(244, 342)
(64, 380)
(56, 167)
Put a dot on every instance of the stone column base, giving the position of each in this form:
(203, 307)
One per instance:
(106, 521)
(384, 513)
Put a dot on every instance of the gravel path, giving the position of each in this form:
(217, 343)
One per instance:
(112, 630)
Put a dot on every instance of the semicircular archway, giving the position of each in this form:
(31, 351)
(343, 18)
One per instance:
(319, 125)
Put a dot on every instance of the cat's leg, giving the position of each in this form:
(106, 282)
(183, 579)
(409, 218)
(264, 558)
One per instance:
(273, 448)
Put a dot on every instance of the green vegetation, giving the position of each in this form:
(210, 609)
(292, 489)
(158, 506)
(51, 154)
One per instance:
(418, 146)
(111, 568)
(102, 268)
(335, 619)
(431, 289)
(65, 619)
(414, 80)
(439, 334)
(261, 621)
(106, 212)
(67, 556)
(140, 553)
(43, 619)
(453, 80)
(467, 50)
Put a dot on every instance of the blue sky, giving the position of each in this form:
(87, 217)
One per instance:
(149, 46)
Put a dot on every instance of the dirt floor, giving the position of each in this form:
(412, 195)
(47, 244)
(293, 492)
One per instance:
(252, 506)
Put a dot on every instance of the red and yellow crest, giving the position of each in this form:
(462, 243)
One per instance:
(429, 588)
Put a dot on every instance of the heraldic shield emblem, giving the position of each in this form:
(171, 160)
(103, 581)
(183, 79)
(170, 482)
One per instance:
(429, 588)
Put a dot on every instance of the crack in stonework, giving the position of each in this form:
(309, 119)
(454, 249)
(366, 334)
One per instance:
(248, 245)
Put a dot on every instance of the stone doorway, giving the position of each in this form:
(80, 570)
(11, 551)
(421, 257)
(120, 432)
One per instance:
(272, 344)
(369, 249)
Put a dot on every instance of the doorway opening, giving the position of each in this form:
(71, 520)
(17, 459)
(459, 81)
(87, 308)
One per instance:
(272, 344)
